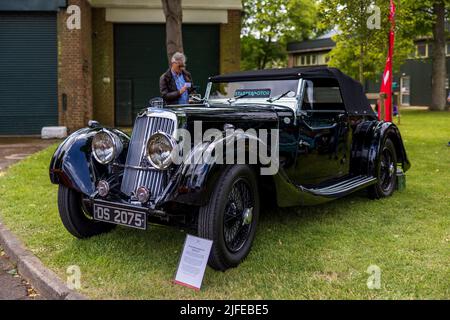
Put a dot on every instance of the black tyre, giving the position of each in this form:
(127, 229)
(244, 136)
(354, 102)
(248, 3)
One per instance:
(386, 172)
(77, 220)
(230, 217)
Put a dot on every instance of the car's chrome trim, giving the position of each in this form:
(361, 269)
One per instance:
(147, 123)
(208, 91)
(173, 144)
(134, 167)
(117, 146)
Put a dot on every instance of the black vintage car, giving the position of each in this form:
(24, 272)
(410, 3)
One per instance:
(327, 143)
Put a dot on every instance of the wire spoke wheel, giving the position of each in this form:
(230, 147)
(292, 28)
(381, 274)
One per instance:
(386, 173)
(387, 169)
(230, 217)
(238, 215)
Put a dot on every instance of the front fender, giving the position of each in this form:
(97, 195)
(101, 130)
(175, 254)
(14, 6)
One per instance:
(195, 179)
(73, 165)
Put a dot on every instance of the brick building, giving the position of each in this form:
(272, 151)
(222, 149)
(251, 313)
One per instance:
(54, 73)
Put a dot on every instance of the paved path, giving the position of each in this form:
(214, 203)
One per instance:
(15, 149)
(12, 286)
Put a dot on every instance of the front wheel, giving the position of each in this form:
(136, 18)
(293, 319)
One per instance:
(386, 172)
(230, 217)
(76, 218)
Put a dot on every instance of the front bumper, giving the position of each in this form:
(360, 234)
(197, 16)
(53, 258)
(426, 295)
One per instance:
(133, 207)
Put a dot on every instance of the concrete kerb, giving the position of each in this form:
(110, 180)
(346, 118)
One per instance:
(45, 281)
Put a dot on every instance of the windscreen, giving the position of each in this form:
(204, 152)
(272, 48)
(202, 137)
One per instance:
(253, 89)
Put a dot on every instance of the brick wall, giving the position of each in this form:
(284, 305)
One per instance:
(103, 67)
(86, 64)
(230, 43)
(291, 60)
(75, 68)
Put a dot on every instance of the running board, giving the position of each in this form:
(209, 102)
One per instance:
(343, 188)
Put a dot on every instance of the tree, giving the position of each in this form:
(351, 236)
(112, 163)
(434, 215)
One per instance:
(361, 52)
(429, 22)
(267, 27)
(438, 97)
(361, 45)
(174, 20)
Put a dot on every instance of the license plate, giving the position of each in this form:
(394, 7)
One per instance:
(121, 216)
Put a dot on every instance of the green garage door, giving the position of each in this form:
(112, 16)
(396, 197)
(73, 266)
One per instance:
(140, 59)
(28, 72)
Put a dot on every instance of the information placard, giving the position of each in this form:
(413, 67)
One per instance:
(192, 265)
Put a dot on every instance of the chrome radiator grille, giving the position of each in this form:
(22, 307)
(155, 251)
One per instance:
(138, 172)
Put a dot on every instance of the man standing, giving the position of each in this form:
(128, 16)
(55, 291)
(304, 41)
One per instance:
(175, 84)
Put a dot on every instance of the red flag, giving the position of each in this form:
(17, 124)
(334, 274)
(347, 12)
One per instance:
(386, 85)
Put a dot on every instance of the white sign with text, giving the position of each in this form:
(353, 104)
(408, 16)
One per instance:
(192, 265)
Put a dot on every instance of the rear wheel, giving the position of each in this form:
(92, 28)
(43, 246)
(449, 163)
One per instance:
(230, 217)
(76, 218)
(386, 172)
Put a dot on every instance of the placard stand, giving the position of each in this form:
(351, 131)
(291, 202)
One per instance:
(193, 261)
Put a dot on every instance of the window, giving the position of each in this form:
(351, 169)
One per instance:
(405, 87)
(322, 95)
(421, 51)
(448, 49)
(309, 60)
(320, 59)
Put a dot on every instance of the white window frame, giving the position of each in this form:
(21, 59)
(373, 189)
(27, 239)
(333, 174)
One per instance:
(417, 51)
(402, 79)
(310, 59)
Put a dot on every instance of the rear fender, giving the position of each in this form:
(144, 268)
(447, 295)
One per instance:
(368, 141)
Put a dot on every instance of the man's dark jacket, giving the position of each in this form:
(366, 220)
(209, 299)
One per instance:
(168, 87)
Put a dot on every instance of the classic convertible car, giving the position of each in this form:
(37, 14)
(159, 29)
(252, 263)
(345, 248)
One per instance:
(328, 144)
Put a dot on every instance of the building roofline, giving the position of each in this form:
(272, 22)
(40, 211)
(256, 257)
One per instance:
(311, 45)
(156, 4)
(312, 50)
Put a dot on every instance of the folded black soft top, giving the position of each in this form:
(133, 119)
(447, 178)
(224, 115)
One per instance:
(352, 91)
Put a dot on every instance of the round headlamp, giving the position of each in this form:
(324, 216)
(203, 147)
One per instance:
(159, 150)
(106, 146)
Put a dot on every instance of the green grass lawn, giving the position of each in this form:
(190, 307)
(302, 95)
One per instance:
(301, 253)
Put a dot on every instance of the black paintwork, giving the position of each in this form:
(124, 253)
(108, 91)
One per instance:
(73, 165)
(323, 155)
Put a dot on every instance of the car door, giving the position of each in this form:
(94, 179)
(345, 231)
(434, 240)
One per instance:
(324, 134)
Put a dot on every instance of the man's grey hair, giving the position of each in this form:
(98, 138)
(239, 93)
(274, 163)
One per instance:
(178, 57)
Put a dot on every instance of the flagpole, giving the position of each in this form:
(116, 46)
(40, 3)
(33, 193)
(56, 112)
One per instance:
(386, 86)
